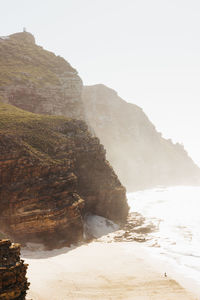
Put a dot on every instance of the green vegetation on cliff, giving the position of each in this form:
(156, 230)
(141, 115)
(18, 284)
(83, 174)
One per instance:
(37, 80)
(51, 169)
(22, 61)
(41, 135)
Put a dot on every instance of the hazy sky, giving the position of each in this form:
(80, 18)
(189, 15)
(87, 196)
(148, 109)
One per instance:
(147, 50)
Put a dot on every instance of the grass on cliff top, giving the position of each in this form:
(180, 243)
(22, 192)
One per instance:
(25, 62)
(39, 134)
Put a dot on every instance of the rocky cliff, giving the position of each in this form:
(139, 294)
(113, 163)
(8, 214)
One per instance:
(52, 172)
(13, 281)
(37, 80)
(141, 157)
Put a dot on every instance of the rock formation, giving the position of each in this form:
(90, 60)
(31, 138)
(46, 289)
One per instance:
(140, 156)
(13, 281)
(37, 80)
(52, 172)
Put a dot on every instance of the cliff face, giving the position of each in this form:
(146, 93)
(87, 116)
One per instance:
(37, 80)
(13, 281)
(52, 172)
(137, 152)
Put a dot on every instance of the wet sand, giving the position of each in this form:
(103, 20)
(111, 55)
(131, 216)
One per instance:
(99, 271)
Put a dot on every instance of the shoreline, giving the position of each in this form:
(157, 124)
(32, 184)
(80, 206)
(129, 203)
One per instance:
(179, 273)
(100, 270)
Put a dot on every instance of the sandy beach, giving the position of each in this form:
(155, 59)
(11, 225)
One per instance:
(99, 271)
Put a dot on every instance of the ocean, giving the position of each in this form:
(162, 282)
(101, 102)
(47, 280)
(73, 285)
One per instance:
(175, 212)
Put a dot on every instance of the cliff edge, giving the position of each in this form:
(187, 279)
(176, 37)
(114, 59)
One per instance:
(140, 156)
(52, 172)
(37, 80)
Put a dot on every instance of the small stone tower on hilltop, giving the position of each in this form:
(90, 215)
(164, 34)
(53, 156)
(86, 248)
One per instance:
(13, 281)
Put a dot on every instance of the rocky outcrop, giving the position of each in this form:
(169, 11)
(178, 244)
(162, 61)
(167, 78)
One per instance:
(13, 281)
(141, 157)
(37, 80)
(52, 172)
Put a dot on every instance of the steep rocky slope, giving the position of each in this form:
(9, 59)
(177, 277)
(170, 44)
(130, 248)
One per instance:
(52, 172)
(137, 152)
(13, 281)
(37, 80)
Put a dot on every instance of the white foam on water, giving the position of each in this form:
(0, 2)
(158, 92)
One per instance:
(176, 211)
(97, 226)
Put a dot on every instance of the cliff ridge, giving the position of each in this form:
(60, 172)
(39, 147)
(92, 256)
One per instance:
(37, 80)
(139, 154)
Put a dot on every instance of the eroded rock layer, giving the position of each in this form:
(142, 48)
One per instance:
(140, 156)
(13, 281)
(52, 172)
